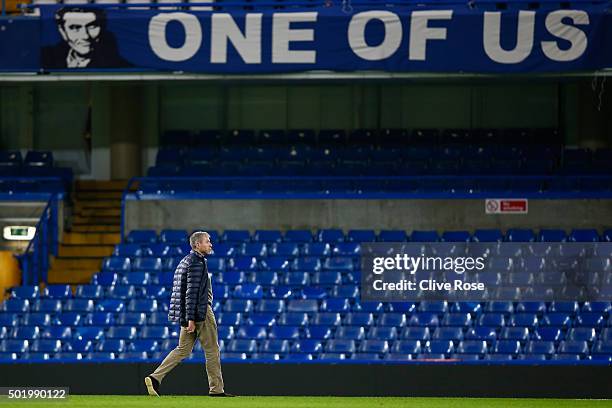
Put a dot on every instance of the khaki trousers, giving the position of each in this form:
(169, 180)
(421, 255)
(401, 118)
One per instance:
(206, 331)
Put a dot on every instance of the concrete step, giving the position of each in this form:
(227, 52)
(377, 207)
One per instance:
(73, 276)
(85, 251)
(80, 220)
(95, 228)
(77, 263)
(91, 238)
(97, 185)
(98, 195)
(81, 205)
(100, 212)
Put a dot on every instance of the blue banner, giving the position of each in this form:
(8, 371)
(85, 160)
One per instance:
(395, 39)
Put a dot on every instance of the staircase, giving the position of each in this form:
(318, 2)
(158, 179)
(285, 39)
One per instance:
(95, 230)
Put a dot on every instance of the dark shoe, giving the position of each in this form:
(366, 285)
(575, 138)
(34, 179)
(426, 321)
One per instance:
(223, 394)
(152, 386)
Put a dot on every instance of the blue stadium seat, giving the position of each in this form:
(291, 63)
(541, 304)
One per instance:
(46, 346)
(415, 333)
(78, 305)
(359, 319)
(472, 347)
(552, 235)
(121, 332)
(311, 292)
(531, 307)
(261, 319)
(296, 279)
(105, 278)
(25, 333)
(424, 319)
(597, 307)
(520, 235)
(573, 347)
(275, 263)
(448, 333)
(515, 333)
(142, 237)
(481, 333)
(16, 305)
(47, 305)
(154, 332)
(307, 346)
(548, 334)
(298, 236)
(286, 249)
(142, 305)
(433, 306)
(293, 319)
(79, 345)
(242, 346)
(487, 235)
(440, 347)
(129, 250)
(564, 307)
(238, 306)
(340, 346)
(342, 264)
(137, 279)
(248, 291)
(110, 305)
(111, 346)
(540, 347)
(243, 263)
(466, 307)
(556, 320)
(330, 235)
(369, 307)
(358, 236)
(256, 249)
(457, 319)
(587, 334)
(89, 291)
(583, 235)
(25, 292)
(374, 346)
(335, 305)
(120, 292)
(316, 249)
(326, 319)
(271, 306)
(274, 346)
(455, 236)
(117, 264)
(229, 318)
(36, 158)
(58, 291)
(67, 319)
(282, 292)
(88, 333)
(392, 236)
(147, 264)
(512, 347)
(57, 332)
(424, 236)
(318, 332)
(284, 332)
(523, 320)
(350, 333)
(491, 319)
(589, 320)
(132, 319)
(100, 319)
(14, 346)
(36, 319)
(173, 236)
(267, 236)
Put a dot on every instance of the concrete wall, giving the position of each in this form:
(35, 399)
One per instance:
(355, 214)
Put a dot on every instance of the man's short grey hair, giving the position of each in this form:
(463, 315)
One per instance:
(196, 237)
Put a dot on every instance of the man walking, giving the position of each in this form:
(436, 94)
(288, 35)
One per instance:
(190, 305)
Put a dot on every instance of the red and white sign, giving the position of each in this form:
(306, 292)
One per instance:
(506, 206)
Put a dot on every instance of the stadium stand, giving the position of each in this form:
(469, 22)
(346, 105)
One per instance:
(294, 296)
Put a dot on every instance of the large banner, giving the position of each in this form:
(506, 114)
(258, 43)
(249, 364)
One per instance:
(394, 39)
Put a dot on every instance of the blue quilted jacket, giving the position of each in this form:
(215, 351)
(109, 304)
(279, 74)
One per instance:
(191, 290)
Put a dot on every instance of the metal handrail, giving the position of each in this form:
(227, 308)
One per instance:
(34, 261)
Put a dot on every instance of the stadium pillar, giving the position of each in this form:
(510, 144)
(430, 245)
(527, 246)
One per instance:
(594, 115)
(126, 131)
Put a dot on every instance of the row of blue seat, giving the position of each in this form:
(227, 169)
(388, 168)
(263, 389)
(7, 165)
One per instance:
(178, 237)
(348, 332)
(33, 158)
(379, 347)
(539, 136)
